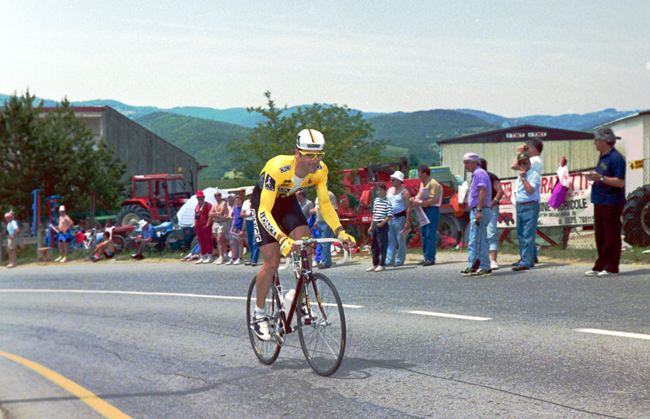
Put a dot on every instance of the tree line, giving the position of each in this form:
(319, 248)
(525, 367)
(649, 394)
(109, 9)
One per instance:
(56, 152)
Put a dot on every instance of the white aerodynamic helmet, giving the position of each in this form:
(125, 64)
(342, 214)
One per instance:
(311, 141)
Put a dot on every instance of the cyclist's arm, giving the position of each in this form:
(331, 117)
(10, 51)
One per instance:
(267, 201)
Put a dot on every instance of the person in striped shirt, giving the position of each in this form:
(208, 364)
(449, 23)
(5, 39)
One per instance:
(382, 212)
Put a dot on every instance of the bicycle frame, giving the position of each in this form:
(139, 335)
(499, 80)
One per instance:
(301, 271)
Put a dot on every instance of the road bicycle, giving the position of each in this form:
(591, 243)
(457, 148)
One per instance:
(320, 320)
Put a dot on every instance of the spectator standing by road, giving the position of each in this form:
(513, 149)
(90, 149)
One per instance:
(608, 197)
(305, 204)
(428, 201)
(480, 195)
(219, 215)
(400, 224)
(492, 231)
(12, 239)
(236, 233)
(527, 191)
(147, 235)
(249, 226)
(534, 148)
(325, 232)
(63, 235)
(382, 212)
(202, 227)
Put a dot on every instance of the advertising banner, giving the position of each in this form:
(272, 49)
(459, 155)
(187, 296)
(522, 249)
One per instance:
(576, 210)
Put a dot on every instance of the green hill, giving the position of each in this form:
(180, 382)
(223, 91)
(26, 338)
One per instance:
(204, 139)
(412, 135)
(419, 132)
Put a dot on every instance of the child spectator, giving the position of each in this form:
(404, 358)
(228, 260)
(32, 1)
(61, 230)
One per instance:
(382, 212)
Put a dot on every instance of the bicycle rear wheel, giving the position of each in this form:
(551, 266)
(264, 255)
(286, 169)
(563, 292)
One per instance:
(266, 351)
(321, 325)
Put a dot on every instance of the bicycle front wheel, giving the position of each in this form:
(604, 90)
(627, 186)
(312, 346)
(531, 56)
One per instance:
(321, 325)
(266, 351)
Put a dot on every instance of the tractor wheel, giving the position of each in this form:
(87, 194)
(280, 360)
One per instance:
(636, 217)
(449, 226)
(131, 214)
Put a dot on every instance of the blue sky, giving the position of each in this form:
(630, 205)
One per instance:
(512, 58)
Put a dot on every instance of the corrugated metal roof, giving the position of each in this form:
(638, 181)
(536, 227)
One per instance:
(646, 112)
(519, 134)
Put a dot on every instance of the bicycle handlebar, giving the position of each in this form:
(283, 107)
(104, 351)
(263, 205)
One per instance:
(314, 241)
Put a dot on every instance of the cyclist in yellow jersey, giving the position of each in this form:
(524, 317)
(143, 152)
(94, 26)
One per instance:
(276, 210)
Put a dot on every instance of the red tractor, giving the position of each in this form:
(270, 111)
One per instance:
(155, 198)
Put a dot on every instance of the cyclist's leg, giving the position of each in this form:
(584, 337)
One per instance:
(271, 255)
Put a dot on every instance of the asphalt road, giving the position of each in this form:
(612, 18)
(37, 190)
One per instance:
(527, 345)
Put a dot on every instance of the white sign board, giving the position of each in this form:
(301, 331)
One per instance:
(576, 210)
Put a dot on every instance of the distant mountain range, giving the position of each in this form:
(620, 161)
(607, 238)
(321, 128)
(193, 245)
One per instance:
(409, 134)
(240, 116)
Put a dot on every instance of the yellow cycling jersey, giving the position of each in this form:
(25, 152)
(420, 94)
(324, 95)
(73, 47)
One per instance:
(276, 181)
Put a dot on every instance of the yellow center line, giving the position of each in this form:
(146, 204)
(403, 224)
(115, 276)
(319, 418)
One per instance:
(84, 395)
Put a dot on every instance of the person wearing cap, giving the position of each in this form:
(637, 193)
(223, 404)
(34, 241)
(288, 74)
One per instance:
(428, 201)
(480, 195)
(63, 234)
(249, 227)
(278, 218)
(527, 191)
(12, 242)
(218, 218)
(400, 225)
(203, 228)
(608, 197)
(492, 230)
(142, 240)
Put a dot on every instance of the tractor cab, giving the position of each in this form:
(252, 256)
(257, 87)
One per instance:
(155, 198)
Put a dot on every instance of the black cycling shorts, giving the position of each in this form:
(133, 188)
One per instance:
(287, 214)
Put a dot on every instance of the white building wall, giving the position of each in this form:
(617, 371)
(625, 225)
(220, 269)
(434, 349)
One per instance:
(634, 145)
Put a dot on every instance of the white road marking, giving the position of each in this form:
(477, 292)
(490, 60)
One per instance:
(164, 294)
(613, 333)
(451, 316)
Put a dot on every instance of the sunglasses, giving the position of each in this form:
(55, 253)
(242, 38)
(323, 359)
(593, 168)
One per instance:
(312, 156)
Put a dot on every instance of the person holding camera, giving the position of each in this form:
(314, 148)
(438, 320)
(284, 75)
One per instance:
(533, 148)
(527, 197)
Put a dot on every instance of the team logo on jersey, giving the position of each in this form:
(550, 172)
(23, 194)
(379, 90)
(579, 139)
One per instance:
(260, 181)
(256, 228)
(287, 182)
(309, 182)
(269, 184)
(267, 225)
(284, 169)
(284, 190)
